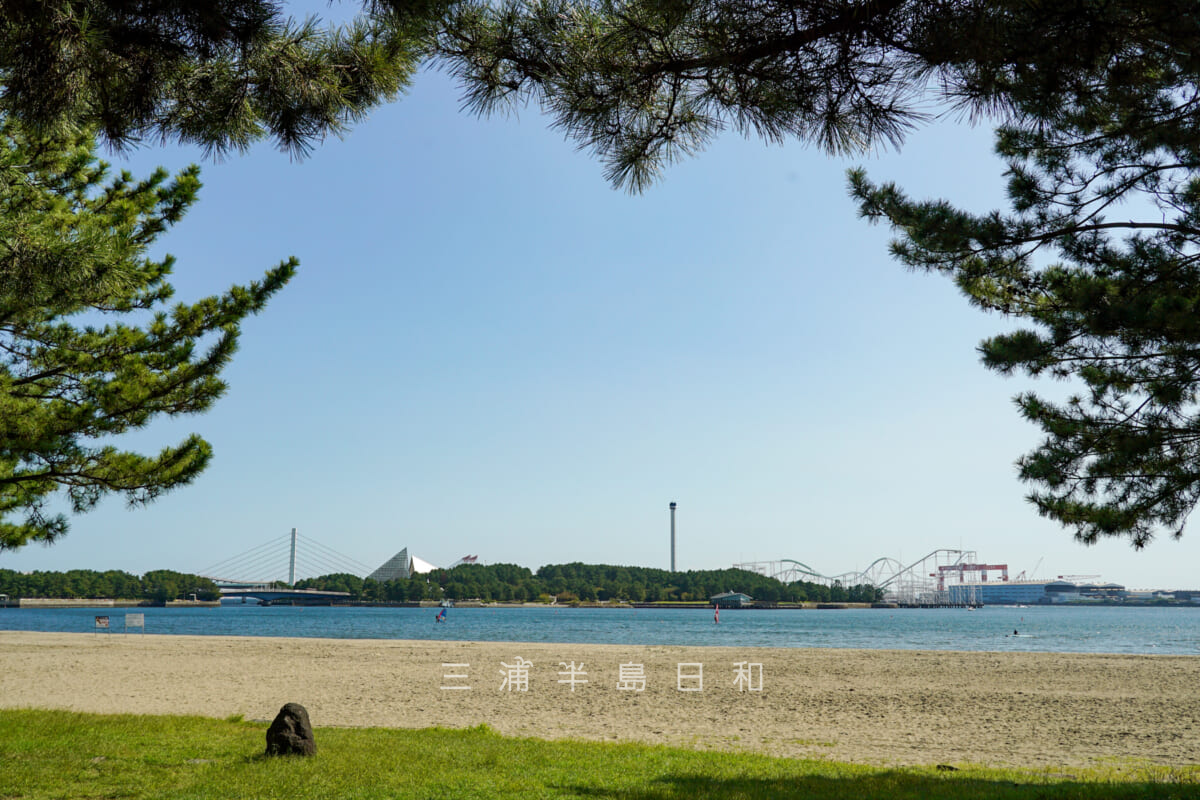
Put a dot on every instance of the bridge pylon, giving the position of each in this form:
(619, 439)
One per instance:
(283, 560)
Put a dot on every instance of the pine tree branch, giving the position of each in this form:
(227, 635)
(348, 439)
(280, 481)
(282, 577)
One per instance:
(1074, 229)
(856, 19)
(50, 373)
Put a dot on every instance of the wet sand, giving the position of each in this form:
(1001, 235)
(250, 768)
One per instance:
(866, 706)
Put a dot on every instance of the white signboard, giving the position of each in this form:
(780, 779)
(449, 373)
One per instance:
(135, 621)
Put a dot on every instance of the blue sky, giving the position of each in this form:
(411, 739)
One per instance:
(488, 350)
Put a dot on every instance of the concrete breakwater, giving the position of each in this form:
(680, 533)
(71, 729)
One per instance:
(83, 602)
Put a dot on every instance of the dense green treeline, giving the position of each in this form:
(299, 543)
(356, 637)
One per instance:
(495, 582)
(585, 582)
(159, 585)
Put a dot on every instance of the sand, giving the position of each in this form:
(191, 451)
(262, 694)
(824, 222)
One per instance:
(865, 706)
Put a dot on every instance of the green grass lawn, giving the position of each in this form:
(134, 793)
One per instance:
(54, 754)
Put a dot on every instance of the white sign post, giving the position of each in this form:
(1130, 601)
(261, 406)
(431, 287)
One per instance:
(135, 621)
(101, 624)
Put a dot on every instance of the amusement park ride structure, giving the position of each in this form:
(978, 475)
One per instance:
(923, 582)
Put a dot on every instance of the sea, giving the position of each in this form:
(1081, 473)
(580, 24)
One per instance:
(1173, 630)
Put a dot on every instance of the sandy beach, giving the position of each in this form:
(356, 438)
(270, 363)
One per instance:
(866, 706)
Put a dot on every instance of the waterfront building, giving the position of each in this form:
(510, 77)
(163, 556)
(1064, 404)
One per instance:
(731, 600)
(1030, 593)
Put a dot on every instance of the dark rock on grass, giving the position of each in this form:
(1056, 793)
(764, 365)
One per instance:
(291, 733)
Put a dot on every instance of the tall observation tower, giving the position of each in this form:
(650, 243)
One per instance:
(672, 536)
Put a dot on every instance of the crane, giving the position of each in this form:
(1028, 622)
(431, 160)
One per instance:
(1032, 573)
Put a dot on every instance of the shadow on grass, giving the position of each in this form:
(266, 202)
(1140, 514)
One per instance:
(890, 785)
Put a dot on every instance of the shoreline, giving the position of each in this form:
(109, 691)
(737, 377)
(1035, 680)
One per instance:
(104, 602)
(101, 603)
(893, 707)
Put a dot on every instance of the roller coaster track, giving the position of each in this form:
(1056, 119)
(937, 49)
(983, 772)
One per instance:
(899, 582)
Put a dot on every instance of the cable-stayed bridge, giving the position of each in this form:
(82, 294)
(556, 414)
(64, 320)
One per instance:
(284, 559)
(269, 570)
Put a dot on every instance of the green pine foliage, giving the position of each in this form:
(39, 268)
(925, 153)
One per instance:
(217, 73)
(1097, 104)
(642, 83)
(89, 346)
(1098, 258)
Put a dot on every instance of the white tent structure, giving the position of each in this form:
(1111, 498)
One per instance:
(401, 566)
(420, 566)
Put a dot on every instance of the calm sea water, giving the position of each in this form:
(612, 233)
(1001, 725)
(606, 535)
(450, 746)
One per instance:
(1042, 629)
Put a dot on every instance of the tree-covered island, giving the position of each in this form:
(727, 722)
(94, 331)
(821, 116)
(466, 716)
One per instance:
(563, 583)
(587, 583)
(158, 586)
